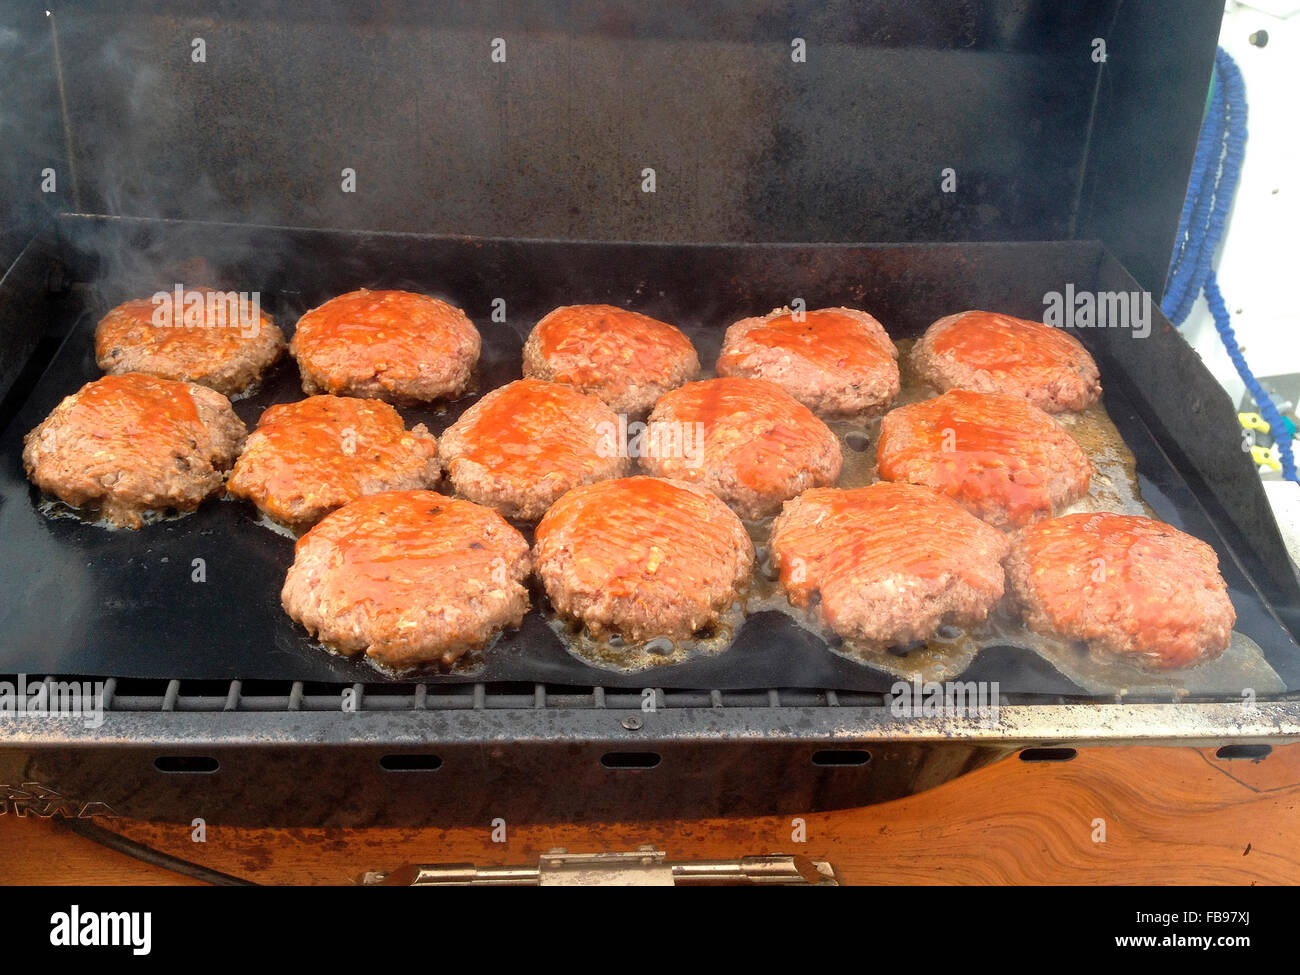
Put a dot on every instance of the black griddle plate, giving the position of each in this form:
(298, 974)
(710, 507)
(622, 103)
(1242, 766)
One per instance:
(79, 599)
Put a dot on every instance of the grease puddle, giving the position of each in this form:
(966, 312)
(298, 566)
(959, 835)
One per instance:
(1113, 488)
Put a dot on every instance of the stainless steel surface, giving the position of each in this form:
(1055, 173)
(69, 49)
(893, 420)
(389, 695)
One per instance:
(643, 867)
(1201, 724)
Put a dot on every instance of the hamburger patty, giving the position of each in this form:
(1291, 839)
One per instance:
(626, 359)
(836, 361)
(390, 345)
(214, 348)
(995, 353)
(307, 458)
(134, 443)
(746, 440)
(889, 563)
(1000, 458)
(1125, 585)
(522, 446)
(410, 577)
(642, 557)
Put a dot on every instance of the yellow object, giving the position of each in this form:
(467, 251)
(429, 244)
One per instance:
(1253, 421)
(1267, 457)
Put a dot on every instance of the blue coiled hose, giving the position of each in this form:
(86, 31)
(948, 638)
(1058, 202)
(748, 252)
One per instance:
(1215, 173)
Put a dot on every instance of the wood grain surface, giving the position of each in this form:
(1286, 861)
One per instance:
(1171, 816)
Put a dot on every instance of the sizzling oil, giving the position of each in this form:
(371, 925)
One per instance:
(1114, 488)
(612, 653)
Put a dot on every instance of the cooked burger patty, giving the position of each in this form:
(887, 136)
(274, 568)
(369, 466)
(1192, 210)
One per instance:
(1000, 458)
(642, 557)
(995, 353)
(836, 361)
(410, 577)
(888, 563)
(627, 359)
(522, 446)
(1129, 586)
(210, 345)
(391, 345)
(134, 443)
(746, 440)
(307, 458)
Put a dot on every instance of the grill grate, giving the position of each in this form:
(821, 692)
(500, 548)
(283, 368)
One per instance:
(144, 695)
(208, 696)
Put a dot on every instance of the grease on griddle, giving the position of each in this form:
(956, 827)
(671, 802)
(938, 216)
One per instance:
(610, 652)
(57, 510)
(945, 656)
(468, 664)
(279, 527)
(941, 657)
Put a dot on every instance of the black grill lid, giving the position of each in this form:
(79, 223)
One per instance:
(1045, 140)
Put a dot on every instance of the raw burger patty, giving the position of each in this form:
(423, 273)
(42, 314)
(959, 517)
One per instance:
(522, 446)
(836, 361)
(994, 353)
(642, 557)
(1125, 585)
(1000, 458)
(307, 458)
(624, 358)
(390, 345)
(759, 445)
(135, 443)
(410, 577)
(215, 349)
(888, 563)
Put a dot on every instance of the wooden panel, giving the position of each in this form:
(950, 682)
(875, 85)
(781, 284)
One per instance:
(1172, 816)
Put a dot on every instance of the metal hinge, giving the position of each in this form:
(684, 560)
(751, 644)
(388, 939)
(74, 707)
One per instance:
(643, 867)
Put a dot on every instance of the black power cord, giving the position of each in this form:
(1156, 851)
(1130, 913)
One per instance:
(146, 854)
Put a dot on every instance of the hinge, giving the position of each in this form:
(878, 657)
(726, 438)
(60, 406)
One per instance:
(643, 867)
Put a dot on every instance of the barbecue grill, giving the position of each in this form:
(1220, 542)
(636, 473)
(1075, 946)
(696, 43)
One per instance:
(502, 152)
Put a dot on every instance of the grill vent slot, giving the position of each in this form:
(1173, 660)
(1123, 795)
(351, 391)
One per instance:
(841, 757)
(407, 762)
(630, 760)
(1254, 752)
(1048, 754)
(191, 764)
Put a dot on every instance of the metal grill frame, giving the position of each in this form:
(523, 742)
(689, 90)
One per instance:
(287, 754)
(291, 756)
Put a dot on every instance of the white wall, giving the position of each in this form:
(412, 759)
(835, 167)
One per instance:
(1259, 263)
(1259, 258)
